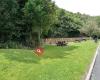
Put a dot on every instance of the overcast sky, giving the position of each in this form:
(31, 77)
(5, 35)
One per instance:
(91, 7)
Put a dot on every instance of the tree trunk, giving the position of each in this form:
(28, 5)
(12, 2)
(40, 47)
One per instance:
(36, 39)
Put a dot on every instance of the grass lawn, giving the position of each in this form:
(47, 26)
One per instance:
(58, 63)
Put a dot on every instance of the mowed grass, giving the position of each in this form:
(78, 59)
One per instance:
(57, 63)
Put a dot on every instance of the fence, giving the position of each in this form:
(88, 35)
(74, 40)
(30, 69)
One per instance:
(55, 40)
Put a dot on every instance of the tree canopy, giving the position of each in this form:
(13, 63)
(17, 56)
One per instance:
(24, 23)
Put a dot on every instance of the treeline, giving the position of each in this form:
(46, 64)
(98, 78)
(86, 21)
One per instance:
(75, 25)
(23, 23)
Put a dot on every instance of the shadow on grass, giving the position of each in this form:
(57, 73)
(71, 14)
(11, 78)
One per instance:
(59, 52)
(27, 56)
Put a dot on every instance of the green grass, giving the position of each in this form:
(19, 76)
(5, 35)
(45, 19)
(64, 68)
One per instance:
(57, 63)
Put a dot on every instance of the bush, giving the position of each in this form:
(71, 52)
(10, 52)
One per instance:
(11, 45)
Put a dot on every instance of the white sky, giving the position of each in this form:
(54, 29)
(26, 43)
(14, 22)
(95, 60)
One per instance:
(91, 7)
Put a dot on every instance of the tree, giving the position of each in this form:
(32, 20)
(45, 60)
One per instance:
(90, 28)
(42, 15)
(67, 25)
(8, 11)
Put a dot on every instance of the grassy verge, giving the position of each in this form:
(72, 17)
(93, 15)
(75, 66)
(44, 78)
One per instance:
(57, 63)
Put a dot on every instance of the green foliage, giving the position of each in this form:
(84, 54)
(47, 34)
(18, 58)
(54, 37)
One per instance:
(67, 25)
(26, 22)
(8, 11)
(91, 28)
(42, 15)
